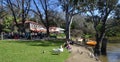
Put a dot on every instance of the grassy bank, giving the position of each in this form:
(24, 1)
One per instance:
(31, 51)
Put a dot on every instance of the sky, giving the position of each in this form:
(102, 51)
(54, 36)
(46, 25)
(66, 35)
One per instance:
(55, 8)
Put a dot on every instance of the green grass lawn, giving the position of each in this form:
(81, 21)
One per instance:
(31, 51)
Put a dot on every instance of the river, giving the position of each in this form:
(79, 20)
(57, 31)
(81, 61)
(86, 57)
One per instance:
(113, 53)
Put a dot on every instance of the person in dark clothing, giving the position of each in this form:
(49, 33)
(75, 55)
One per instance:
(71, 42)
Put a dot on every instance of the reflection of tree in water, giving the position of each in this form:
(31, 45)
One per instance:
(113, 53)
(113, 56)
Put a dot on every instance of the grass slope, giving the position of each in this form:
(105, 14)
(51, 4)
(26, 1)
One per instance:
(31, 51)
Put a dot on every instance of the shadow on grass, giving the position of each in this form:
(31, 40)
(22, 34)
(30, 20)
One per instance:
(56, 42)
(55, 54)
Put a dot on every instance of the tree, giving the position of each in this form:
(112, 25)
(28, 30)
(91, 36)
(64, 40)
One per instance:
(7, 23)
(10, 5)
(58, 18)
(81, 26)
(115, 23)
(70, 8)
(19, 10)
(43, 12)
(25, 10)
(2, 14)
(55, 18)
(99, 12)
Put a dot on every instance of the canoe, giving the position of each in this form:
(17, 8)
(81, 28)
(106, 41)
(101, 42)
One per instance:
(91, 42)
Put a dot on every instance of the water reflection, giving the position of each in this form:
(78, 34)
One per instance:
(104, 59)
(113, 54)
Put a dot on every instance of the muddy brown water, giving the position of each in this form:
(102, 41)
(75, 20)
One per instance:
(113, 53)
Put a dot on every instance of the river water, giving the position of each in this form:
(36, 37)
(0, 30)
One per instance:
(113, 53)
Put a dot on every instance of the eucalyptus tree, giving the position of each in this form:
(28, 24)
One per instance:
(70, 8)
(99, 12)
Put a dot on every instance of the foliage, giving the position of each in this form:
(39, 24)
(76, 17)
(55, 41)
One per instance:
(115, 31)
(71, 8)
(61, 35)
(99, 11)
(8, 22)
(73, 25)
(19, 9)
(86, 36)
(6, 30)
(55, 18)
(99, 27)
(114, 39)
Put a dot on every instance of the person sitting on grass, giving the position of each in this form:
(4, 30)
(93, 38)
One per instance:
(67, 46)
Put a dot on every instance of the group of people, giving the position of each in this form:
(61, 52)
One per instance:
(26, 35)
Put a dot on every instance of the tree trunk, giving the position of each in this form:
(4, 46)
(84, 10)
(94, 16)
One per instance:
(68, 26)
(100, 42)
(97, 46)
(67, 32)
(99, 38)
(48, 33)
(23, 25)
(47, 24)
(46, 13)
(23, 17)
(104, 46)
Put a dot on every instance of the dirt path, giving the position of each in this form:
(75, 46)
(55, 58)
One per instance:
(80, 54)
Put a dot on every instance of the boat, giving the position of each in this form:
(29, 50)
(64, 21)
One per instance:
(91, 42)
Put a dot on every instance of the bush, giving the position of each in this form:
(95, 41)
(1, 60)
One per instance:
(6, 30)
